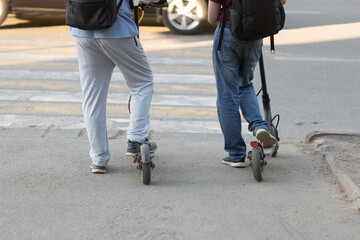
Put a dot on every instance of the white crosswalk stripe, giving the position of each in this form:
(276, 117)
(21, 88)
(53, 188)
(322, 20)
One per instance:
(16, 74)
(113, 98)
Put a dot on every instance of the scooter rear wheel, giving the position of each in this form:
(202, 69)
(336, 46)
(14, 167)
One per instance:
(145, 164)
(256, 163)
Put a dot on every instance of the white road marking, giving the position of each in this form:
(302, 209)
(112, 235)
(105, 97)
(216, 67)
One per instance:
(317, 34)
(316, 59)
(178, 79)
(113, 98)
(301, 12)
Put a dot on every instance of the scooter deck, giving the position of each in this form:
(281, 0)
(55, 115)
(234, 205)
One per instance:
(268, 150)
(271, 150)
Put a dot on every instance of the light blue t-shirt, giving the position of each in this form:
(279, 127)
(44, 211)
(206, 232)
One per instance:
(123, 27)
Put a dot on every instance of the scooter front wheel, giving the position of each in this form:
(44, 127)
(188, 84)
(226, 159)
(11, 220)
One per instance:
(145, 164)
(256, 163)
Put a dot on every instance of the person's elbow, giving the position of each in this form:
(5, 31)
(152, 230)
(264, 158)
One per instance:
(212, 19)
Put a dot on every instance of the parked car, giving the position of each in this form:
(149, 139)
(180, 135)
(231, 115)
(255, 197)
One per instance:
(182, 16)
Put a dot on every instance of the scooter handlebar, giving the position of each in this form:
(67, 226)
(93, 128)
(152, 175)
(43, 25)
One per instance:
(159, 4)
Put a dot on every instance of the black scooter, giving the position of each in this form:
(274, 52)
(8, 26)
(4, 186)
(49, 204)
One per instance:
(258, 155)
(144, 158)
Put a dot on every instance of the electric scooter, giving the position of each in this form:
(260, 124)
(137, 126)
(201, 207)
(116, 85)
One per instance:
(258, 156)
(143, 160)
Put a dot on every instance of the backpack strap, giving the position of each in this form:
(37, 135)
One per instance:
(119, 5)
(131, 4)
(222, 26)
(135, 14)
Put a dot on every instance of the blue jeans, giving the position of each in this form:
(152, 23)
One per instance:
(234, 65)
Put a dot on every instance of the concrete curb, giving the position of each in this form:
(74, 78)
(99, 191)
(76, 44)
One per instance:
(352, 190)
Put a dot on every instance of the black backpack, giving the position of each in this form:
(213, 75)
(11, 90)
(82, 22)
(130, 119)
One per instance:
(254, 19)
(91, 14)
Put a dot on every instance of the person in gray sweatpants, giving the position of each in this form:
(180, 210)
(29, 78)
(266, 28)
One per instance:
(98, 52)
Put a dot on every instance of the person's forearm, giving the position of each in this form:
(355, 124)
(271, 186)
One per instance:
(213, 12)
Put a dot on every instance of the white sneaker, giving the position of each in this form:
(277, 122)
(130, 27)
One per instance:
(266, 139)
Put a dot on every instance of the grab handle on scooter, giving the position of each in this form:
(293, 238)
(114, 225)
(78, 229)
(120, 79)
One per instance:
(159, 4)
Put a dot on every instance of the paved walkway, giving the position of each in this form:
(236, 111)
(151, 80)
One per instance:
(48, 191)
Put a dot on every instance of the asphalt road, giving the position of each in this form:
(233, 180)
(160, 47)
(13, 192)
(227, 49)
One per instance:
(49, 192)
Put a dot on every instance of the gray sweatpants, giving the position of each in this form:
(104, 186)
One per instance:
(97, 59)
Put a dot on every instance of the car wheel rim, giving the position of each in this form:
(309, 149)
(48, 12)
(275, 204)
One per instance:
(185, 14)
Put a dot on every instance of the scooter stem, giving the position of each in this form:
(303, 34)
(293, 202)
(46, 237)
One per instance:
(265, 95)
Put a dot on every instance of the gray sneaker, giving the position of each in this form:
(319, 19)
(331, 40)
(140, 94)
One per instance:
(98, 169)
(134, 147)
(266, 139)
(239, 164)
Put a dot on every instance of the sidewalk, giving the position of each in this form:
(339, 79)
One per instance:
(48, 192)
(341, 152)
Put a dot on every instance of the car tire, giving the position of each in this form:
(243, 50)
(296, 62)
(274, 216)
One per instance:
(185, 16)
(4, 10)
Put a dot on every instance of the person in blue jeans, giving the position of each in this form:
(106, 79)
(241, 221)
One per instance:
(234, 66)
